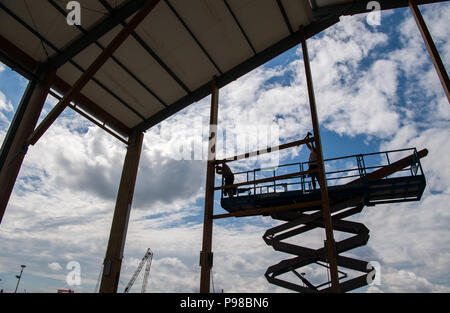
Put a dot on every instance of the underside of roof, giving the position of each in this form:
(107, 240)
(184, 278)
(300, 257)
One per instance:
(168, 62)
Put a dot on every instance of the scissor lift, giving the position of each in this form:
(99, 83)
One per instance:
(285, 193)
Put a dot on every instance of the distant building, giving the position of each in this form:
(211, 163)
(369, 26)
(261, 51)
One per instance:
(65, 291)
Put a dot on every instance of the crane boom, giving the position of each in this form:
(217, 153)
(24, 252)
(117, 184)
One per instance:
(147, 258)
(146, 274)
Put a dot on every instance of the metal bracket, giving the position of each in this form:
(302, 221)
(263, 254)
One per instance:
(107, 267)
(208, 258)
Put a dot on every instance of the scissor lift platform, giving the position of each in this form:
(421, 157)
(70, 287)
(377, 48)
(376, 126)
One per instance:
(367, 180)
(382, 191)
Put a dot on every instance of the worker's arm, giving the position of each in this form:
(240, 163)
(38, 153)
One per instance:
(310, 146)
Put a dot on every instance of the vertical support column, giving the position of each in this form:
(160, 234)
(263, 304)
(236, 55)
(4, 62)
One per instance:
(206, 256)
(15, 144)
(322, 179)
(117, 237)
(435, 57)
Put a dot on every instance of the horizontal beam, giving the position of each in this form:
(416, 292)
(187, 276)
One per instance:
(267, 150)
(24, 64)
(361, 6)
(271, 209)
(238, 71)
(96, 32)
(266, 180)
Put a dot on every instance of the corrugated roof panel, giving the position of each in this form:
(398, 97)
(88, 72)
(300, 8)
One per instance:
(110, 104)
(172, 43)
(149, 72)
(214, 26)
(299, 13)
(120, 82)
(17, 33)
(14, 32)
(99, 96)
(262, 20)
(116, 79)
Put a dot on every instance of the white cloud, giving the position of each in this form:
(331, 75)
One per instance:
(55, 266)
(405, 281)
(5, 104)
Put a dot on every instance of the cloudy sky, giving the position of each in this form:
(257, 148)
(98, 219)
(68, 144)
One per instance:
(376, 90)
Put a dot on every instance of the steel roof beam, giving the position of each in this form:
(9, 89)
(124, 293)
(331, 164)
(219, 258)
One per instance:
(51, 45)
(21, 62)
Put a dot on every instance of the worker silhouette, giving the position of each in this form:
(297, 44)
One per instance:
(224, 170)
(312, 163)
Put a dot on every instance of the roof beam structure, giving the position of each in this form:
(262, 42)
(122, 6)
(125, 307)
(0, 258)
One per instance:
(238, 71)
(75, 64)
(24, 64)
(108, 23)
(93, 68)
(116, 60)
(325, 16)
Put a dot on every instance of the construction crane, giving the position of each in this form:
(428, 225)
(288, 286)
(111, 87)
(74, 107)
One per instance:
(146, 259)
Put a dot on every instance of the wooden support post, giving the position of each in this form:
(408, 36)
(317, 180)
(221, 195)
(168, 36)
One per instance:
(206, 253)
(322, 179)
(15, 145)
(434, 54)
(116, 243)
(92, 70)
